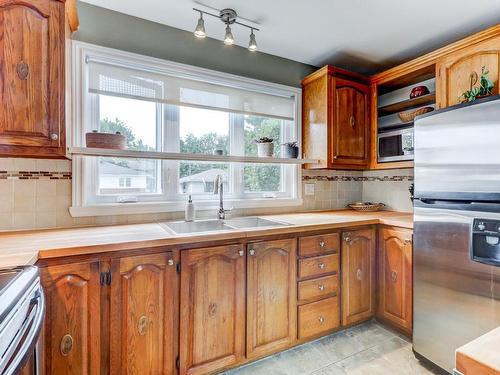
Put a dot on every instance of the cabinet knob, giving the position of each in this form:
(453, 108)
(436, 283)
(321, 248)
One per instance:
(170, 262)
(252, 252)
(321, 243)
(359, 274)
(321, 266)
(54, 136)
(321, 319)
(347, 240)
(241, 253)
(321, 287)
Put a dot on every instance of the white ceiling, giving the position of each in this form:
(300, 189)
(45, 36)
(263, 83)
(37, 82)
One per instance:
(365, 35)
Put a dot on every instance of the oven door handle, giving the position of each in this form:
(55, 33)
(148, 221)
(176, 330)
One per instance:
(31, 337)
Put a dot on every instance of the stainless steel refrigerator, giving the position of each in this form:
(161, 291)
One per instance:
(456, 252)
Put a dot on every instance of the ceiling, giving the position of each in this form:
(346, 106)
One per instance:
(363, 35)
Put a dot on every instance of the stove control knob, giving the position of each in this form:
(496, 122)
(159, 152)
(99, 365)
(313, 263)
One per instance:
(481, 226)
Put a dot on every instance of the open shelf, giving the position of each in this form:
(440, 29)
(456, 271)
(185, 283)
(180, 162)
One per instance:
(87, 151)
(394, 126)
(407, 104)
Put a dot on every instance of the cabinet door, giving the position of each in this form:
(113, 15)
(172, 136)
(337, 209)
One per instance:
(212, 324)
(143, 299)
(350, 123)
(271, 296)
(358, 275)
(395, 277)
(454, 71)
(32, 37)
(72, 326)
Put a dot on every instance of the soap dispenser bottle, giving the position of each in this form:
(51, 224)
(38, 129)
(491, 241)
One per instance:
(190, 212)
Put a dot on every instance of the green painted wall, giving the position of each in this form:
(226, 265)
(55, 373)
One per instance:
(117, 30)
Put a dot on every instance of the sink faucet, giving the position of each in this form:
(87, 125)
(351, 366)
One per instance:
(219, 189)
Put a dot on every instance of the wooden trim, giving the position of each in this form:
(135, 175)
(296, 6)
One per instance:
(337, 72)
(431, 57)
(72, 15)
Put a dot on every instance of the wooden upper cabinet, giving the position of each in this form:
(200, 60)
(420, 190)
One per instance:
(454, 70)
(72, 328)
(271, 297)
(32, 82)
(335, 119)
(212, 309)
(358, 276)
(395, 277)
(142, 315)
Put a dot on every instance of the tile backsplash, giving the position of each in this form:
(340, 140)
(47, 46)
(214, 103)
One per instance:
(36, 193)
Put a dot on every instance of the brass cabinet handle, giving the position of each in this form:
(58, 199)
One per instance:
(359, 274)
(321, 266)
(66, 345)
(394, 276)
(321, 319)
(321, 287)
(142, 325)
(321, 243)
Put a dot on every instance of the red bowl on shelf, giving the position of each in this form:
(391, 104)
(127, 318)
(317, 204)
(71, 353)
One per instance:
(419, 91)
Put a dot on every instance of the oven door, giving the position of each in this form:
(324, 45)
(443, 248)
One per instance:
(396, 145)
(21, 356)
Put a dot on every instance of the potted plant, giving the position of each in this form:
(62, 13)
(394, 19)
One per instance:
(484, 88)
(290, 150)
(265, 147)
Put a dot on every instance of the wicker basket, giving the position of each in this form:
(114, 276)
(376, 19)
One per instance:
(409, 116)
(366, 206)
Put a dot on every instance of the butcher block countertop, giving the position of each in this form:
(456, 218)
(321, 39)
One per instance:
(480, 356)
(26, 247)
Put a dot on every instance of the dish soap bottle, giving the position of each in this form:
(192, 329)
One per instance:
(189, 213)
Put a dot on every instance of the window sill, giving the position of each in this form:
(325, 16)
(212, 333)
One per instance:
(159, 207)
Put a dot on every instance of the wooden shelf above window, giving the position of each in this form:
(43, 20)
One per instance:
(104, 152)
(407, 104)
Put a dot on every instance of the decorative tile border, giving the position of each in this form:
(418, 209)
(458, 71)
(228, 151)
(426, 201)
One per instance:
(34, 175)
(358, 178)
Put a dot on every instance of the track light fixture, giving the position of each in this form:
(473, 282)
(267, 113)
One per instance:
(229, 17)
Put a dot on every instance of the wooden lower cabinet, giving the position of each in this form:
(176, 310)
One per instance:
(358, 275)
(72, 325)
(395, 277)
(142, 315)
(212, 309)
(271, 297)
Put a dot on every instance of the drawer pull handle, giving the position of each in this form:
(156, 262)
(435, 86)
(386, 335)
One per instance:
(359, 274)
(321, 266)
(321, 287)
(394, 276)
(321, 243)
(321, 319)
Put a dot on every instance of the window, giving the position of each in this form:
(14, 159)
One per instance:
(162, 106)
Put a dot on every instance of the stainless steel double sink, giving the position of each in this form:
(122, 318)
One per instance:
(199, 226)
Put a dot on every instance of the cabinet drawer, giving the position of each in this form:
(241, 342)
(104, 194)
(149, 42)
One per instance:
(317, 245)
(318, 266)
(318, 288)
(318, 317)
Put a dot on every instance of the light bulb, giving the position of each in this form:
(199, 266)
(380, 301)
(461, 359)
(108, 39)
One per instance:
(228, 38)
(199, 32)
(252, 46)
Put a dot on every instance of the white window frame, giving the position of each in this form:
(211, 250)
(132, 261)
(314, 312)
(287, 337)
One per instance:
(82, 111)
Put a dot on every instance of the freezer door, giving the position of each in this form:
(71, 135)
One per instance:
(456, 299)
(457, 153)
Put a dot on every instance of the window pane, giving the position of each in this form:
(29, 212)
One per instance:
(135, 119)
(262, 178)
(203, 131)
(118, 176)
(259, 127)
(199, 177)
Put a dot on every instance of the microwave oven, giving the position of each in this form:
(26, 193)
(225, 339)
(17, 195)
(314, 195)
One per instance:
(395, 145)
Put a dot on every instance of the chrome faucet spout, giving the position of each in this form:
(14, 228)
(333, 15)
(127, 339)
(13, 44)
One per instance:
(219, 189)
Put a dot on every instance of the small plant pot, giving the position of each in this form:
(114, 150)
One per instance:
(290, 152)
(265, 149)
